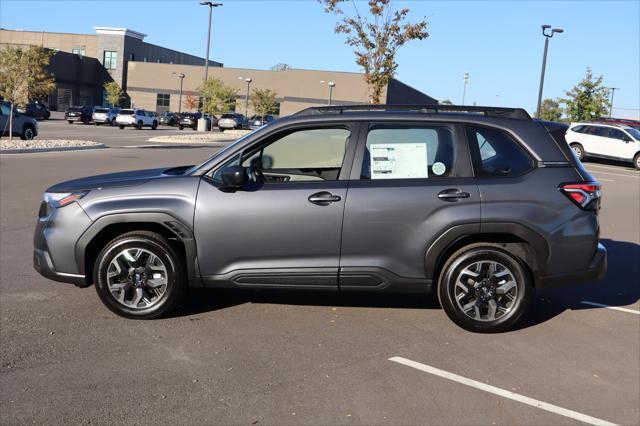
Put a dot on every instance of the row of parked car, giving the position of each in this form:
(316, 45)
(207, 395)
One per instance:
(227, 121)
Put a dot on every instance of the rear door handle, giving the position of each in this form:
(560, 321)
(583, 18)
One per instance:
(324, 198)
(452, 195)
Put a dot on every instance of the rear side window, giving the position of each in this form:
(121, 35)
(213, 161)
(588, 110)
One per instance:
(579, 129)
(497, 154)
(126, 112)
(408, 153)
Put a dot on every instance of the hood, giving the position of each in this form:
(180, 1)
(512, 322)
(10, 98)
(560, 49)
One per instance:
(111, 180)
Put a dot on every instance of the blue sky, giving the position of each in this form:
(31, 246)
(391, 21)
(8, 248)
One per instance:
(498, 43)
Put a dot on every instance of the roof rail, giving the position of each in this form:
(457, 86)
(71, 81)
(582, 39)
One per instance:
(516, 113)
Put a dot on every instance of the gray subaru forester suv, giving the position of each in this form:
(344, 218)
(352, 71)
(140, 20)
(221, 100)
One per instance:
(478, 204)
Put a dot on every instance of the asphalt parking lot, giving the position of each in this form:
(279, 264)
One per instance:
(299, 357)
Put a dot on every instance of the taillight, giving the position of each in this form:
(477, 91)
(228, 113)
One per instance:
(585, 195)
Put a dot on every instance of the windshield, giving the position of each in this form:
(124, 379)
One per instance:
(635, 133)
(101, 110)
(223, 151)
(127, 112)
(228, 116)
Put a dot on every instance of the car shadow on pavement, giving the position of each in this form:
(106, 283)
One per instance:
(620, 287)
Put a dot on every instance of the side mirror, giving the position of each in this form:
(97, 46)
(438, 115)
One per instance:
(234, 177)
(626, 138)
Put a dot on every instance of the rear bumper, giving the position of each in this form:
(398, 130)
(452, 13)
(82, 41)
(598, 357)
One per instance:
(596, 271)
(44, 266)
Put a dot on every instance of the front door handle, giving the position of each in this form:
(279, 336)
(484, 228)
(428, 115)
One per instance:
(452, 195)
(324, 198)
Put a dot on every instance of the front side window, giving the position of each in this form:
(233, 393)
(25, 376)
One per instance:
(163, 99)
(110, 60)
(303, 155)
(499, 154)
(616, 134)
(408, 153)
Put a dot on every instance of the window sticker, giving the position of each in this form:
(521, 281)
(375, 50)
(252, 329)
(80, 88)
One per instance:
(398, 160)
(438, 168)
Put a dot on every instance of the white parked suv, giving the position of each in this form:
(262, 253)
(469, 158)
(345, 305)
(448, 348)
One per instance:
(613, 141)
(137, 118)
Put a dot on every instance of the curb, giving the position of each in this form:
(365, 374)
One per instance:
(192, 141)
(53, 149)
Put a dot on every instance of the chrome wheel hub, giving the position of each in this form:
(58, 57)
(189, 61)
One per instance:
(486, 291)
(137, 278)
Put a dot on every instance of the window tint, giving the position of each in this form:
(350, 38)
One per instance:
(5, 109)
(579, 129)
(597, 131)
(408, 153)
(499, 154)
(127, 112)
(616, 134)
(304, 155)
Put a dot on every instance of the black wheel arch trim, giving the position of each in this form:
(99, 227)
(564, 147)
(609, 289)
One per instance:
(172, 224)
(458, 233)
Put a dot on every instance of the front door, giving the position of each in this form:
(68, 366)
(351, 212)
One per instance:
(621, 145)
(283, 228)
(409, 185)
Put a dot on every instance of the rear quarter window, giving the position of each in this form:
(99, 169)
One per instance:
(496, 153)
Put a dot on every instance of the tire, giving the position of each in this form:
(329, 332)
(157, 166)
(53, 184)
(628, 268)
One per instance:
(28, 133)
(636, 161)
(130, 293)
(154, 125)
(578, 150)
(139, 125)
(69, 121)
(509, 300)
(221, 129)
(181, 127)
(121, 126)
(97, 124)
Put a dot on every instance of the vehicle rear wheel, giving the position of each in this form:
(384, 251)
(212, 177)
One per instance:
(181, 127)
(484, 289)
(138, 275)
(578, 150)
(121, 126)
(139, 125)
(636, 161)
(154, 125)
(69, 121)
(28, 133)
(220, 129)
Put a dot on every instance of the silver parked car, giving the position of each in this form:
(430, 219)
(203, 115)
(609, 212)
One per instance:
(104, 115)
(232, 120)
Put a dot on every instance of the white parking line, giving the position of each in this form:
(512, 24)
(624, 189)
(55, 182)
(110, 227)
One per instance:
(613, 308)
(501, 392)
(613, 174)
(614, 168)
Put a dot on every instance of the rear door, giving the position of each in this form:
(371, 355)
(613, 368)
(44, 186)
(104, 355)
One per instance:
(409, 184)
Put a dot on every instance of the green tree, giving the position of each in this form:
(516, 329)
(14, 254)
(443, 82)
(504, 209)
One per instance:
(551, 110)
(114, 93)
(588, 99)
(263, 101)
(23, 76)
(376, 39)
(218, 98)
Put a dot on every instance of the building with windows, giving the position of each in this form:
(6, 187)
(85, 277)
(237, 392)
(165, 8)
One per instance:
(149, 75)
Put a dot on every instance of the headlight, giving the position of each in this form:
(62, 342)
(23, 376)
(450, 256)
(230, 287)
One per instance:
(61, 199)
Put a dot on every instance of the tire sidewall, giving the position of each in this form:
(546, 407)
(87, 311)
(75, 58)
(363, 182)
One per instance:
(580, 148)
(166, 255)
(446, 289)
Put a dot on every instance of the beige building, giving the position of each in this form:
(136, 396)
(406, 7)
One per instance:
(149, 74)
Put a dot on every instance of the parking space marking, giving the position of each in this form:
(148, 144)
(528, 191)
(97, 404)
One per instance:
(613, 308)
(614, 168)
(501, 392)
(613, 174)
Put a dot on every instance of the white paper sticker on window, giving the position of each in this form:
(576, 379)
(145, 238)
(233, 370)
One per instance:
(398, 160)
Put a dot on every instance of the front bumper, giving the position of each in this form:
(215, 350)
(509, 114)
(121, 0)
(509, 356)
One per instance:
(43, 264)
(596, 271)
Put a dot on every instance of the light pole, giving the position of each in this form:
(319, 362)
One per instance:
(331, 85)
(247, 80)
(202, 122)
(613, 90)
(547, 35)
(181, 76)
(465, 80)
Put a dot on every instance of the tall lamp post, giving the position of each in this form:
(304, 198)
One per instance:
(247, 80)
(465, 80)
(613, 90)
(202, 122)
(181, 76)
(331, 85)
(547, 35)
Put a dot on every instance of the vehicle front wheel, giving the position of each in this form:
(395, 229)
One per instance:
(154, 125)
(578, 150)
(138, 275)
(69, 121)
(121, 126)
(28, 133)
(484, 289)
(139, 125)
(636, 161)
(181, 127)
